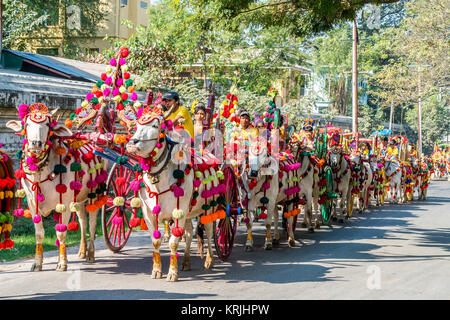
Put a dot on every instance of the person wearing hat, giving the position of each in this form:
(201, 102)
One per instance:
(180, 114)
(392, 150)
(246, 129)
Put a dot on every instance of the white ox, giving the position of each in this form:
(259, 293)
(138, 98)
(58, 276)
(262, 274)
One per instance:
(393, 172)
(259, 181)
(341, 177)
(37, 135)
(159, 179)
(366, 181)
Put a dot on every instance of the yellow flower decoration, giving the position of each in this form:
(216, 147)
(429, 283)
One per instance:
(194, 104)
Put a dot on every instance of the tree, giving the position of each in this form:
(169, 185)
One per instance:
(299, 17)
(75, 22)
(19, 18)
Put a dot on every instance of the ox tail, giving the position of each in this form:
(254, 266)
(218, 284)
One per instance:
(200, 242)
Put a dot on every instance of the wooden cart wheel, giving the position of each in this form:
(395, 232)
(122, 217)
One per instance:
(116, 234)
(225, 229)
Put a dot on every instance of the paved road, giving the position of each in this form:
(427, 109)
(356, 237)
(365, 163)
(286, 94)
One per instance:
(392, 252)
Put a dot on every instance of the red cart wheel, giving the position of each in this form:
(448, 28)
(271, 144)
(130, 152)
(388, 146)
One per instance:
(117, 231)
(225, 230)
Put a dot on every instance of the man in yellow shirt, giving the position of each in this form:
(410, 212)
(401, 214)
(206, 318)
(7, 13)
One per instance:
(246, 130)
(180, 114)
(392, 150)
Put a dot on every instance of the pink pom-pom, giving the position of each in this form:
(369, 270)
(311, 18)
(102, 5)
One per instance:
(134, 96)
(117, 220)
(116, 91)
(113, 62)
(100, 178)
(156, 234)
(91, 184)
(37, 219)
(30, 161)
(57, 243)
(89, 96)
(178, 192)
(197, 183)
(108, 81)
(122, 61)
(222, 188)
(206, 194)
(18, 212)
(76, 185)
(156, 209)
(61, 227)
(106, 92)
(265, 186)
(33, 167)
(169, 125)
(119, 82)
(23, 111)
(135, 185)
(40, 197)
(139, 113)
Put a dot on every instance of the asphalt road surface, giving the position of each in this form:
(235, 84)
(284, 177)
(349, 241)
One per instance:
(390, 252)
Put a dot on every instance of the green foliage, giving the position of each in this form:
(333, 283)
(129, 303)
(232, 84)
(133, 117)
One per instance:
(435, 121)
(19, 18)
(298, 18)
(45, 20)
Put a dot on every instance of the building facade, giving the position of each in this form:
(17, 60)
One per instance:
(135, 11)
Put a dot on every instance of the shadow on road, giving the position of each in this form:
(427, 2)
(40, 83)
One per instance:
(118, 294)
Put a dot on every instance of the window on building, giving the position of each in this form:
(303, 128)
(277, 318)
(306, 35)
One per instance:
(123, 3)
(144, 4)
(48, 51)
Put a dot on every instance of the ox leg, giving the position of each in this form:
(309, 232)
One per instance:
(268, 244)
(92, 230)
(39, 253)
(166, 236)
(172, 276)
(62, 260)
(209, 256)
(290, 231)
(83, 227)
(188, 229)
(249, 241)
(276, 234)
(150, 220)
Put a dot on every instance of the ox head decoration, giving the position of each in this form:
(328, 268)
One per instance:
(335, 155)
(151, 129)
(37, 126)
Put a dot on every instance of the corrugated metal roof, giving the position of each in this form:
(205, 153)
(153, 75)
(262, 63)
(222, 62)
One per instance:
(68, 68)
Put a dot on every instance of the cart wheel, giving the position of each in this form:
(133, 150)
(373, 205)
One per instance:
(225, 230)
(327, 206)
(116, 235)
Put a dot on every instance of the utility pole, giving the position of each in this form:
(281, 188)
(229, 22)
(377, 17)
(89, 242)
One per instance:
(391, 117)
(419, 118)
(355, 83)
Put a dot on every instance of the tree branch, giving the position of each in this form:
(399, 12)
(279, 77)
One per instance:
(264, 6)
